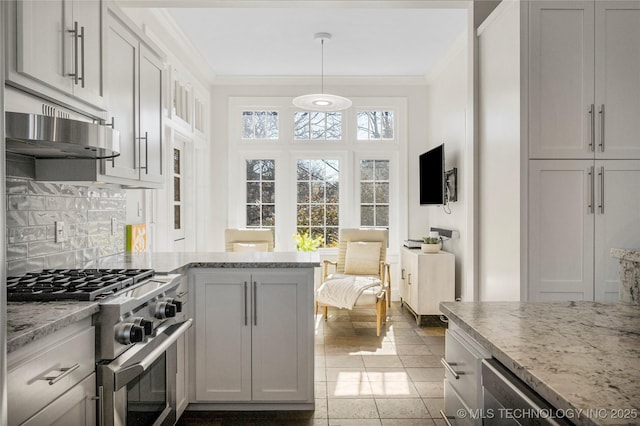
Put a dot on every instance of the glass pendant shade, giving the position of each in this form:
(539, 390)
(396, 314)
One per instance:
(322, 101)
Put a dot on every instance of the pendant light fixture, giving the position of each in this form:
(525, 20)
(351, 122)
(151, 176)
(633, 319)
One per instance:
(322, 101)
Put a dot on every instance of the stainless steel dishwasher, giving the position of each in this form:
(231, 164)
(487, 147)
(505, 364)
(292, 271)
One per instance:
(509, 401)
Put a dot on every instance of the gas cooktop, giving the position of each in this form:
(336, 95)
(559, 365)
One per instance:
(75, 284)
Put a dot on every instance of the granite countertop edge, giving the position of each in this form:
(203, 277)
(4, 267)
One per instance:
(25, 326)
(553, 396)
(630, 254)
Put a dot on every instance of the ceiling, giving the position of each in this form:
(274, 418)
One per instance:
(278, 41)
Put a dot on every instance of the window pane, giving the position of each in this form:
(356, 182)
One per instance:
(366, 192)
(387, 125)
(253, 215)
(253, 169)
(317, 215)
(331, 171)
(382, 170)
(268, 169)
(268, 192)
(382, 216)
(301, 125)
(333, 192)
(332, 215)
(247, 125)
(176, 217)
(176, 188)
(382, 192)
(366, 216)
(363, 125)
(253, 192)
(334, 125)
(303, 192)
(316, 170)
(317, 192)
(176, 161)
(303, 215)
(268, 215)
(332, 237)
(317, 125)
(303, 170)
(272, 125)
(366, 170)
(260, 118)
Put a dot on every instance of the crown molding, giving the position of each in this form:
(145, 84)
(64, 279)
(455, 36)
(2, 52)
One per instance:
(249, 80)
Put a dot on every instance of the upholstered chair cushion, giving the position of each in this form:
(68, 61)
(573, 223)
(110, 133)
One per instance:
(238, 247)
(362, 258)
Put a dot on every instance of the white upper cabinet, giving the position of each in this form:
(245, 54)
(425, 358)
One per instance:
(584, 79)
(561, 77)
(150, 116)
(59, 43)
(618, 79)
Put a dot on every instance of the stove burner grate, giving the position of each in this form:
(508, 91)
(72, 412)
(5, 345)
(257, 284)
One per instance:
(74, 284)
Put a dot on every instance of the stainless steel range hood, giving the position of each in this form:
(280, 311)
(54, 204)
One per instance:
(41, 136)
(43, 129)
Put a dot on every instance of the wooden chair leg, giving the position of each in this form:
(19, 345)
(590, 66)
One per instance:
(379, 309)
(324, 312)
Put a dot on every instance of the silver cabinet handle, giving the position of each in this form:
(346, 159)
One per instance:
(81, 36)
(592, 128)
(245, 303)
(445, 418)
(65, 372)
(146, 150)
(448, 366)
(591, 191)
(100, 399)
(601, 205)
(601, 144)
(402, 274)
(255, 303)
(409, 279)
(75, 75)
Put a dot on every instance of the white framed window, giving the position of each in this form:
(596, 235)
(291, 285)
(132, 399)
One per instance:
(324, 182)
(318, 199)
(260, 181)
(317, 125)
(375, 125)
(260, 125)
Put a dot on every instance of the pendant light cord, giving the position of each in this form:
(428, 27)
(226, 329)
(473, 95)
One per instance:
(322, 66)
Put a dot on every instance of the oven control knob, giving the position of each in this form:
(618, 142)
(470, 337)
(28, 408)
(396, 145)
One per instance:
(146, 325)
(177, 303)
(165, 310)
(129, 333)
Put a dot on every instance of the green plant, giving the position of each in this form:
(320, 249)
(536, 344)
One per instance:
(431, 240)
(305, 243)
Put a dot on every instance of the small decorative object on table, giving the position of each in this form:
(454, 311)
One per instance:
(431, 244)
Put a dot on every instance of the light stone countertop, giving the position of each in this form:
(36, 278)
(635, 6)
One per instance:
(576, 355)
(29, 321)
(626, 254)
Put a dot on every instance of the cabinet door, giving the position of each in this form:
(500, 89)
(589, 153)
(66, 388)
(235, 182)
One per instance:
(561, 230)
(150, 147)
(617, 221)
(223, 336)
(121, 80)
(436, 281)
(561, 79)
(88, 14)
(618, 79)
(74, 407)
(45, 45)
(404, 271)
(282, 335)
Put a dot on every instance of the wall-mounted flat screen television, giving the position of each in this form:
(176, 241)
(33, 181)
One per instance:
(432, 179)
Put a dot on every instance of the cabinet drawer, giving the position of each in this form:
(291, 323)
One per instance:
(46, 375)
(453, 405)
(465, 357)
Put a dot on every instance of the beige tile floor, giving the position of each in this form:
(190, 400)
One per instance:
(361, 379)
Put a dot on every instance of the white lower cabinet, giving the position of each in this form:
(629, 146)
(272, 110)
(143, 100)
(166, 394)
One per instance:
(578, 211)
(52, 380)
(426, 280)
(463, 377)
(253, 335)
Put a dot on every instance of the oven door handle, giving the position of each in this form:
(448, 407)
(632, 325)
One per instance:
(126, 373)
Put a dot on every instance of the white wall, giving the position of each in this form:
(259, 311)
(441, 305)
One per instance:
(447, 99)
(499, 155)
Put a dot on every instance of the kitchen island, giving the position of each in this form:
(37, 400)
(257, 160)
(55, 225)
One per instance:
(581, 357)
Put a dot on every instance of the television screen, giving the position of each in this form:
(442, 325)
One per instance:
(432, 176)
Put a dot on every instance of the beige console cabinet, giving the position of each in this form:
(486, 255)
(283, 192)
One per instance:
(426, 280)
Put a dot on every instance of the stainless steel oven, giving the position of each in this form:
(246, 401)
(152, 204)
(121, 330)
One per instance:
(138, 330)
(139, 387)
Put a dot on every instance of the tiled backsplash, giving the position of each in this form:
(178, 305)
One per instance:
(32, 209)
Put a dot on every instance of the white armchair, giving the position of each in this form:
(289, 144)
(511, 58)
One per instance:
(248, 240)
(361, 277)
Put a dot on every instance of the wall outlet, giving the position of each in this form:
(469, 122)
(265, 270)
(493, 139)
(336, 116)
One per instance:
(114, 225)
(60, 232)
